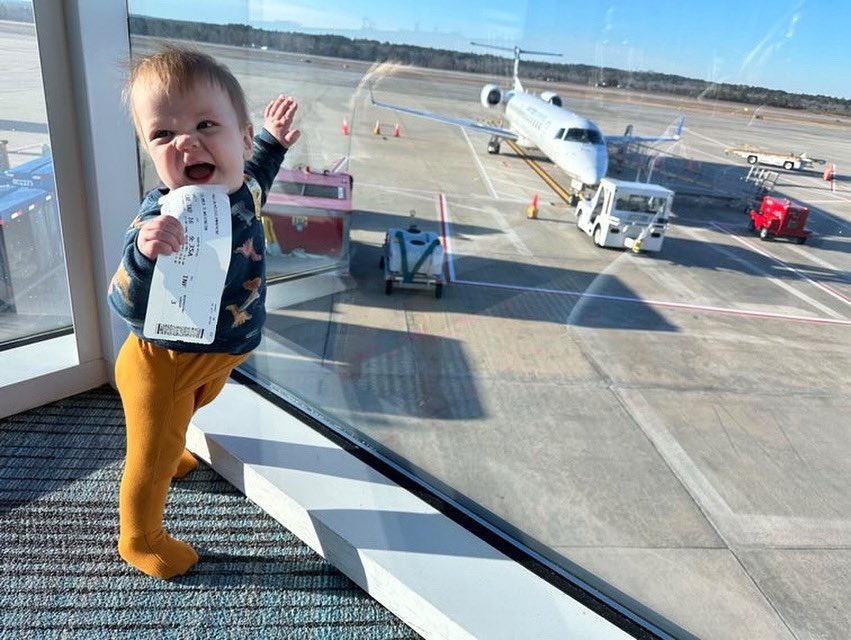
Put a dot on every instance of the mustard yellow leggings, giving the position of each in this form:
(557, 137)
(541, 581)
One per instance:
(160, 390)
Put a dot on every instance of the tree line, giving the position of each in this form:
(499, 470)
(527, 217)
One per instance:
(375, 51)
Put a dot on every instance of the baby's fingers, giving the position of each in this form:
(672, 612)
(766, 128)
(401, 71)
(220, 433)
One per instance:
(281, 107)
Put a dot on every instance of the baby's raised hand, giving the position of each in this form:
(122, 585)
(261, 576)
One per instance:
(278, 120)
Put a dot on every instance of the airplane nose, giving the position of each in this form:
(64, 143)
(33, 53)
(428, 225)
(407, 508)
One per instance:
(595, 166)
(602, 163)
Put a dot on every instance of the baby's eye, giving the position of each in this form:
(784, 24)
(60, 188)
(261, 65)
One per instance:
(160, 133)
(206, 124)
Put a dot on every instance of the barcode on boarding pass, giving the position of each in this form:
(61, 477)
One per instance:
(177, 331)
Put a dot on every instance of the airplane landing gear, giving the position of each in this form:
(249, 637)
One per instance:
(493, 145)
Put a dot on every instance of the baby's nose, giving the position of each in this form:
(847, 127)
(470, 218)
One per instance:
(186, 141)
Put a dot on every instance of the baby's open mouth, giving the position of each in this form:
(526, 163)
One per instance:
(200, 172)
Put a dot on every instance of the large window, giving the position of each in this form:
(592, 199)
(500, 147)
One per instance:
(666, 421)
(35, 308)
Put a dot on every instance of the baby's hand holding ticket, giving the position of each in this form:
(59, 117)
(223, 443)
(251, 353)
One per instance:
(186, 290)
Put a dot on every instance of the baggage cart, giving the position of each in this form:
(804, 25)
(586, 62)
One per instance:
(412, 258)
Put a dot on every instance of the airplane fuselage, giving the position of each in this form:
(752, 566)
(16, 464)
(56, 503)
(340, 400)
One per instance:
(572, 142)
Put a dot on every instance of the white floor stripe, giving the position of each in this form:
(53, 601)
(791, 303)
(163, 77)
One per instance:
(661, 303)
(479, 164)
(443, 216)
(785, 265)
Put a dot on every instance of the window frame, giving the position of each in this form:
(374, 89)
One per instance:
(96, 192)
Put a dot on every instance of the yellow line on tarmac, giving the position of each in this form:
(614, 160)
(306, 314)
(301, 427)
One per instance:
(555, 186)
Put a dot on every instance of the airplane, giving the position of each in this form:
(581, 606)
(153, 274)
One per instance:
(573, 143)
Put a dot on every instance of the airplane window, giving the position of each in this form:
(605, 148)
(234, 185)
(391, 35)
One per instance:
(559, 134)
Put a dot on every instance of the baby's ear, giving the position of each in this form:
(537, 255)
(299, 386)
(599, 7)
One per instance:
(247, 141)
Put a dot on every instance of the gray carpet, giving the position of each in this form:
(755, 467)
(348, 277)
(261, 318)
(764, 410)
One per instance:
(60, 576)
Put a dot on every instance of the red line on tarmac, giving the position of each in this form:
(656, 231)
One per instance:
(661, 303)
(767, 254)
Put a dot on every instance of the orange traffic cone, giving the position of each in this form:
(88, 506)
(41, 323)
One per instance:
(396, 130)
(532, 209)
(345, 127)
(377, 129)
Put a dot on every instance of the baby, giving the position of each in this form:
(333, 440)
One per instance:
(191, 116)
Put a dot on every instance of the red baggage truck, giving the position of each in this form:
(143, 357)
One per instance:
(780, 217)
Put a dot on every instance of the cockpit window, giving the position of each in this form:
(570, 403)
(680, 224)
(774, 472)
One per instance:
(559, 134)
(583, 135)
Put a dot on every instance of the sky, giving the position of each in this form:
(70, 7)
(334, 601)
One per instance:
(800, 46)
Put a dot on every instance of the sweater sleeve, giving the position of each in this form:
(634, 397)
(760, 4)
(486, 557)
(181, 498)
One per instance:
(130, 286)
(267, 156)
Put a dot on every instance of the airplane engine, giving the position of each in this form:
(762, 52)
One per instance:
(491, 95)
(552, 97)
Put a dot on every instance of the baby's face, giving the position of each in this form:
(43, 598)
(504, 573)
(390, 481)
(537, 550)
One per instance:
(194, 137)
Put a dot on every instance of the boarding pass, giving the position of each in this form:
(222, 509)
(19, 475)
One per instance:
(186, 290)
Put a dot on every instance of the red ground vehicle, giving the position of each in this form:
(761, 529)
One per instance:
(780, 217)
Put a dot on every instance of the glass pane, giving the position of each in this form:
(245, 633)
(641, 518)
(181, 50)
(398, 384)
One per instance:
(34, 300)
(655, 403)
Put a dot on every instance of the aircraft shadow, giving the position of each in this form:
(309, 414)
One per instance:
(736, 258)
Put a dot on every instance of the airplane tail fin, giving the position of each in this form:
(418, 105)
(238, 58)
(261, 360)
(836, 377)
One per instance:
(517, 52)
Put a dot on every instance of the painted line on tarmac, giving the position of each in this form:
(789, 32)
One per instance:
(443, 215)
(341, 163)
(482, 171)
(750, 245)
(733, 527)
(777, 282)
(819, 261)
(749, 313)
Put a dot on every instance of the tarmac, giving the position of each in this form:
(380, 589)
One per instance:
(670, 427)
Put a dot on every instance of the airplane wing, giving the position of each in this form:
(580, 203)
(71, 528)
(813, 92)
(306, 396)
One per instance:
(499, 132)
(628, 137)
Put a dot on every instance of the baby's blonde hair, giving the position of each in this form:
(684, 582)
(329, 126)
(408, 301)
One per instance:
(177, 70)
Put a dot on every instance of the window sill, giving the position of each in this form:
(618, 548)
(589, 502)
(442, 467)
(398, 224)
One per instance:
(433, 574)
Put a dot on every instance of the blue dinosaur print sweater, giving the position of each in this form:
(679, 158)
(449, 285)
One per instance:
(242, 311)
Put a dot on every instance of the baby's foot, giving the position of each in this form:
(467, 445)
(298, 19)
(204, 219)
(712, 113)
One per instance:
(187, 463)
(157, 554)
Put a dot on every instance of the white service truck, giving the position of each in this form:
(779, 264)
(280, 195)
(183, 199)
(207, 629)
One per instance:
(632, 215)
(788, 161)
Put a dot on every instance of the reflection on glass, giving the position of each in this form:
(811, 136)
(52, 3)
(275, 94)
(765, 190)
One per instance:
(670, 426)
(307, 216)
(34, 301)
